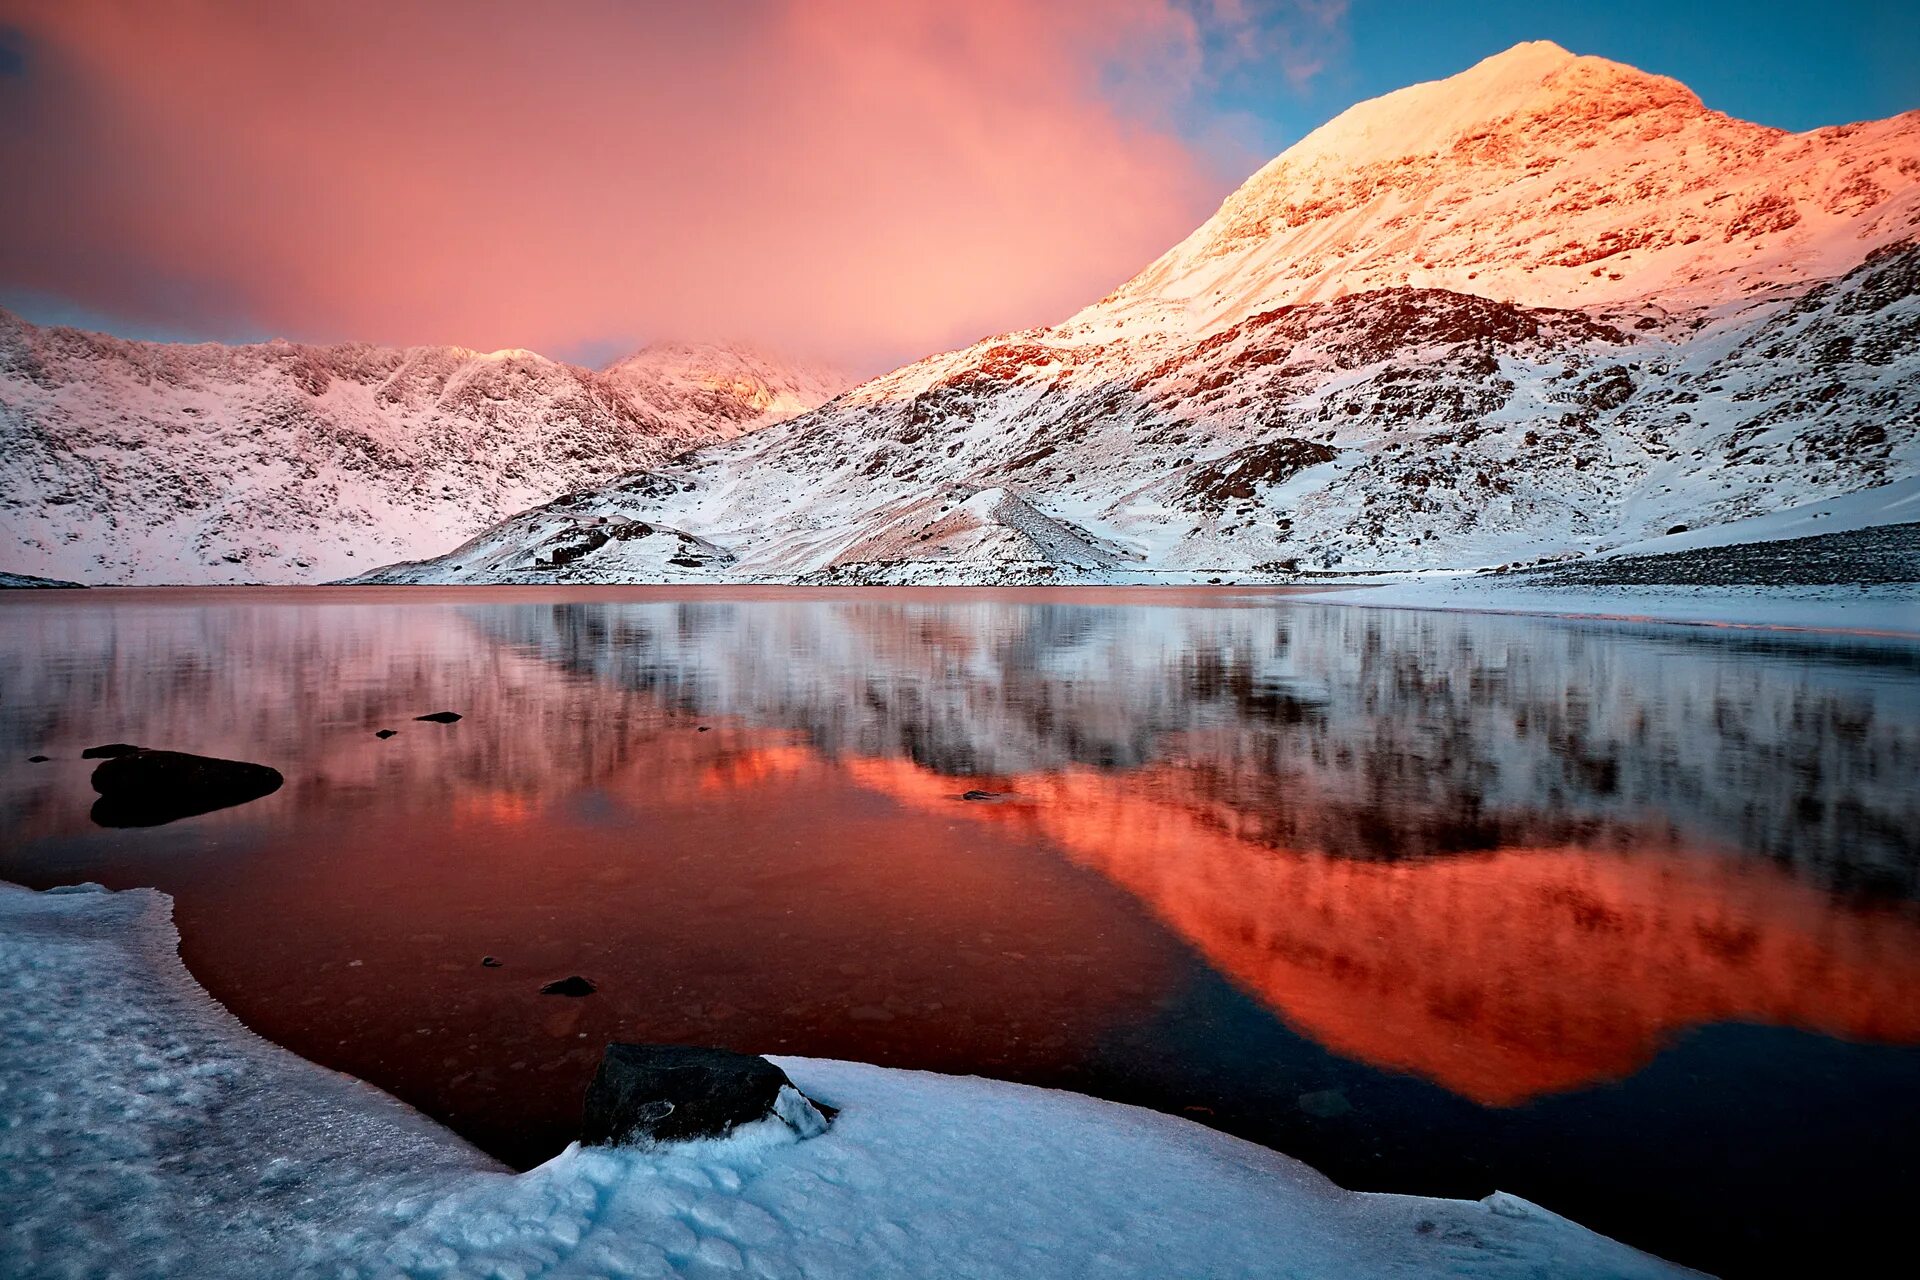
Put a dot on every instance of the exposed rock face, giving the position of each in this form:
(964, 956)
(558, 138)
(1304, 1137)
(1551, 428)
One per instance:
(676, 1093)
(148, 788)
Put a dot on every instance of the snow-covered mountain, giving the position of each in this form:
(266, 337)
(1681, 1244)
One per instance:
(148, 462)
(1550, 305)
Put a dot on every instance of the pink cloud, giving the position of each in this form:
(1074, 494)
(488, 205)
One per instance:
(862, 180)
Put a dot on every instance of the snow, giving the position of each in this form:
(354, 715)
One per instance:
(1896, 503)
(142, 462)
(1888, 611)
(149, 1134)
(1536, 177)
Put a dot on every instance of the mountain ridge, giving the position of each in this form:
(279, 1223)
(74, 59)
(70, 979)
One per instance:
(1708, 320)
(124, 460)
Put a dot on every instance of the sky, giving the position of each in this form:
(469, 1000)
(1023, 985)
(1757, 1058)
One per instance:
(861, 181)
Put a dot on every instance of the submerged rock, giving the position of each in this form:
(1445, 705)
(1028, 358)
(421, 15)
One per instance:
(440, 717)
(384, 733)
(1325, 1104)
(574, 986)
(147, 788)
(110, 751)
(680, 1093)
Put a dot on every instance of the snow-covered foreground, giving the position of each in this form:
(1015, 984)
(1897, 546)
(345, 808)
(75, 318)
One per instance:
(147, 1133)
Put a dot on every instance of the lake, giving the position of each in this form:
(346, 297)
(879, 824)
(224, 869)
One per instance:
(1622, 919)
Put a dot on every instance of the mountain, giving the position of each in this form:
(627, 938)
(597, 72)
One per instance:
(1545, 307)
(130, 461)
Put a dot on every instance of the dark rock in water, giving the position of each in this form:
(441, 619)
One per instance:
(37, 759)
(979, 795)
(574, 986)
(109, 751)
(440, 717)
(678, 1093)
(384, 733)
(1325, 1104)
(488, 962)
(147, 788)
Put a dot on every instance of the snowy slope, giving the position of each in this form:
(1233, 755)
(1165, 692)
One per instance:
(1541, 178)
(145, 462)
(1548, 307)
(185, 1145)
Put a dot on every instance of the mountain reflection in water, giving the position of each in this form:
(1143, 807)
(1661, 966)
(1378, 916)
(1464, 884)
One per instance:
(1467, 866)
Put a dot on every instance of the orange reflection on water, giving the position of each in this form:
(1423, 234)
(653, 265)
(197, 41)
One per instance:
(1500, 976)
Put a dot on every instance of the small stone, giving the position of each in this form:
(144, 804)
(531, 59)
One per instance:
(36, 759)
(385, 733)
(706, 728)
(573, 986)
(110, 751)
(488, 962)
(1325, 1104)
(978, 795)
(440, 717)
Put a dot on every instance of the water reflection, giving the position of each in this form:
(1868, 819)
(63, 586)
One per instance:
(1470, 869)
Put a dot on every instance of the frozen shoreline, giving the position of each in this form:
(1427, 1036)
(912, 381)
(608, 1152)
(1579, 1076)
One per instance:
(149, 1133)
(1880, 611)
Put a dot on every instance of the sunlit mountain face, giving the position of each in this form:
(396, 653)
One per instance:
(1422, 898)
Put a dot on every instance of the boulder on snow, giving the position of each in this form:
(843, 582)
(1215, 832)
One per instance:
(440, 717)
(680, 1093)
(147, 788)
(574, 986)
(37, 759)
(384, 733)
(109, 751)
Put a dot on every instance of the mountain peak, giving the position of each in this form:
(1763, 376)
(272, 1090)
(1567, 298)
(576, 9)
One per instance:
(1535, 176)
(1520, 82)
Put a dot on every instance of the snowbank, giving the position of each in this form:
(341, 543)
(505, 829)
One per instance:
(148, 1134)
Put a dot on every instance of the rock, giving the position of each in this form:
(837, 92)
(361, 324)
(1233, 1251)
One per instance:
(440, 717)
(110, 751)
(488, 962)
(37, 759)
(678, 1093)
(706, 728)
(1325, 1104)
(574, 986)
(384, 733)
(979, 795)
(148, 788)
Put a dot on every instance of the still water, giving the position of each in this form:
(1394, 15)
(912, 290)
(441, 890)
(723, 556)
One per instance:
(1625, 920)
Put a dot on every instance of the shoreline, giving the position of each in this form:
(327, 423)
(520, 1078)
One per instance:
(1883, 612)
(177, 1128)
